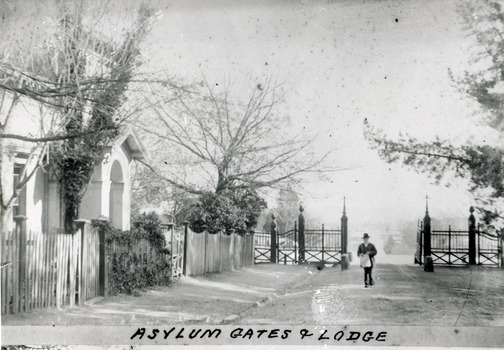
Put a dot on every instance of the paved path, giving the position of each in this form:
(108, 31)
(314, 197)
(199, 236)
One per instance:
(280, 294)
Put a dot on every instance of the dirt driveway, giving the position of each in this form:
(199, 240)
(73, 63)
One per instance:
(283, 294)
(403, 295)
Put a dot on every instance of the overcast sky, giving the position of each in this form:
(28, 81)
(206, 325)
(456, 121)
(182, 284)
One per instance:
(341, 61)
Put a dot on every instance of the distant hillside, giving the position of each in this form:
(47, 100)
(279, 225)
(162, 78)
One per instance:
(457, 223)
(403, 239)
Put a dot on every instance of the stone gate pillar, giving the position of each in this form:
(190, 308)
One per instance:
(273, 240)
(472, 237)
(301, 235)
(428, 263)
(344, 239)
(344, 230)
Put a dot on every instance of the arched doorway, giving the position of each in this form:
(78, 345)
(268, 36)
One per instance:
(116, 195)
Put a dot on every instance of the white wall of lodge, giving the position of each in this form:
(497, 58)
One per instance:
(107, 195)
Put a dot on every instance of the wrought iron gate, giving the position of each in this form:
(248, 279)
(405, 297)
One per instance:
(459, 247)
(287, 246)
(299, 245)
(323, 246)
(262, 247)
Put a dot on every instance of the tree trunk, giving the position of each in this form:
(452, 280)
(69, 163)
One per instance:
(222, 182)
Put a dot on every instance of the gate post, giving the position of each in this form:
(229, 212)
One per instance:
(103, 268)
(428, 263)
(472, 237)
(186, 233)
(81, 225)
(344, 230)
(273, 240)
(301, 235)
(23, 290)
(344, 238)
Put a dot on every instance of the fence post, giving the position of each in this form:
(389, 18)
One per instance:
(295, 242)
(449, 244)
(500, 241)
(21, 232)
(472, 237)
(301, 235)
(428, 262)
(81, 225)
(323, 244)
(273, 240)
(186, 235)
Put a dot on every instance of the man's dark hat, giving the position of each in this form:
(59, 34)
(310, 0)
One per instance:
(365, 235)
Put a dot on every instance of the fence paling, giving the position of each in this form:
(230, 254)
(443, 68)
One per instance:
(46, 272)
(26, 290)
(64, 280)
(38, 267)
(5, 266)
(79, 266)
(64, 264)
(30, 263)
(5, 271)
(59, 264)
(48, 268)
(39, 260)
(8, 272)
(27, 293)
(16, 274)
(51, 266)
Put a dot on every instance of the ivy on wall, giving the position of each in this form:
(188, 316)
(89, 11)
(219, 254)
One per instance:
(74, 159)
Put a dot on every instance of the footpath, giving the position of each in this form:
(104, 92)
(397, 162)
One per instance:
(218, 298)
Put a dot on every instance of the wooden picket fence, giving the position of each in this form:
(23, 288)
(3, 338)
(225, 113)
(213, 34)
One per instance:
(207, 252)
(48, 270)
(45, 278)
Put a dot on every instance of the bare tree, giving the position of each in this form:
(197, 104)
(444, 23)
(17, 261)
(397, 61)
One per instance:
(221, 143)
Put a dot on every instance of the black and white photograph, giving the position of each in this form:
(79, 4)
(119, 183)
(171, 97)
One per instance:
(246, 173)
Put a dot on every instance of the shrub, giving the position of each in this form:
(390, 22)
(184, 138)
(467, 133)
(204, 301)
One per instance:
(231, 209)
(128, 270)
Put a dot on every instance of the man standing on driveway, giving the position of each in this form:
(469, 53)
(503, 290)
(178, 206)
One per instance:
(366, 253)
